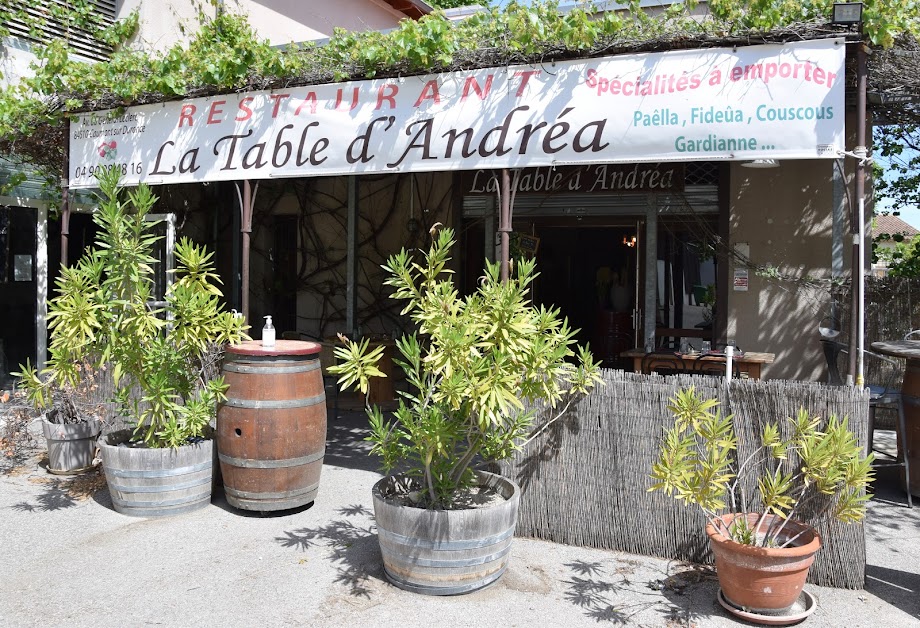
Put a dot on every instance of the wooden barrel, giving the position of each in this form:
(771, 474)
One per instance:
(446, 552)
(271, 430)
(146, 482)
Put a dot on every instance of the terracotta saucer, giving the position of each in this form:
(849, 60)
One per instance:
(803, 607)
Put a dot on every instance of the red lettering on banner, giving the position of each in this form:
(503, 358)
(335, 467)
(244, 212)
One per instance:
(525, 77)
(434, 95)
(186, 114)
(354, 99)
(472, 83)
(390, 97)
(309, 100)
(277, 98)
(216, 111)
(245, 111)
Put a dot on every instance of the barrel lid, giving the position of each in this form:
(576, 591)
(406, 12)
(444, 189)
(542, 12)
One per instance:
(282, 347)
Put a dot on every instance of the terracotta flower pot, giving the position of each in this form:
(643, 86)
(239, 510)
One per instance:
(765, 580)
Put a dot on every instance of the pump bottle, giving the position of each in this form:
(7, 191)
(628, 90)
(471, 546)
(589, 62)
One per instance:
(268, 333)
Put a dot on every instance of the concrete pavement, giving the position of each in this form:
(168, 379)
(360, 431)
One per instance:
(68, 559)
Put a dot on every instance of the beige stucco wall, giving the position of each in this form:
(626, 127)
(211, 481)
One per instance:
(164, 23)
(785, 216)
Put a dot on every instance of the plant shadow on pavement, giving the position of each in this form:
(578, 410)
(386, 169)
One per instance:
(595, 588)
(351, 548)
(60, 492)
(888, 522)
(345, 444)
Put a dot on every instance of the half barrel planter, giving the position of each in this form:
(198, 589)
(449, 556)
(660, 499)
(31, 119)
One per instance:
(446, 552)
(271, 430)
(71, 446)
(145, 482)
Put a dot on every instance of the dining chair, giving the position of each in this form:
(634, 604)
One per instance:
(663, 363)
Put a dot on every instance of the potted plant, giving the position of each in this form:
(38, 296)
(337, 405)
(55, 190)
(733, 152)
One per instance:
(762, 551)
(475, 368)
(72, 415)
(163, 358)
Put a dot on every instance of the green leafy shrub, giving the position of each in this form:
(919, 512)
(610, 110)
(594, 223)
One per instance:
(473, 367)
(697, 465)
(162, 358)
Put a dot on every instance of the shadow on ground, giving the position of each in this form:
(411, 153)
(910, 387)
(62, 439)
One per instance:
(352, 548)
(597, 588)
(60, 492)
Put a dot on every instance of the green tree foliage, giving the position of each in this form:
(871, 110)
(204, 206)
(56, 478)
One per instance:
(475, 366)
(898, 145)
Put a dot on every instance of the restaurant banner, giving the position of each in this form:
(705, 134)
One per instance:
(771, 101)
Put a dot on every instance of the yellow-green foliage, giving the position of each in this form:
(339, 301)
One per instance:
(697, 465)
(473, 366)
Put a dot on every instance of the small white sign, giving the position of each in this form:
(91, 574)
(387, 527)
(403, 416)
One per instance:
(740, 283)
(22, 268)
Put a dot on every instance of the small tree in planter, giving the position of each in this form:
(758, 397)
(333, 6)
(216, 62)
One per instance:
(762, 558)
(474, 367)
(162, 359)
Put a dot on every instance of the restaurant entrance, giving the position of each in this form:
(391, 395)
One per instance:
(594, 275)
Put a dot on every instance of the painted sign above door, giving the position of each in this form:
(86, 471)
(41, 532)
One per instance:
(668, 177)
(772, 101)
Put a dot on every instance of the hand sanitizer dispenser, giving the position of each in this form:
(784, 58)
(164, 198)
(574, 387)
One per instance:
(268, 333)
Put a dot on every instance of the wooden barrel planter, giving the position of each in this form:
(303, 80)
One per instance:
(271, 430)
(446, 552)
(146, 482)
(71, 446)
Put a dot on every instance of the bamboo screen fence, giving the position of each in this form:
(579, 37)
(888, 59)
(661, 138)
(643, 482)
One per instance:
(585, 478)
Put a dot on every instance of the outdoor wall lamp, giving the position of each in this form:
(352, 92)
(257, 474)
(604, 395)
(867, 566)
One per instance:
(847, 13)
(761, 163)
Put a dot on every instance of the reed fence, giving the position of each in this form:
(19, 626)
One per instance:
(585, 479)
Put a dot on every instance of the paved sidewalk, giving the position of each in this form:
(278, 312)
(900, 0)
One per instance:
(69, 560)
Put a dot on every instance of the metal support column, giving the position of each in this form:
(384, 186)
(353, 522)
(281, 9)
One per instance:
(351, 271)
(838, 227)
(246, 230)
(65, 205)
(858, 228)
(651, 271)
(504, 225)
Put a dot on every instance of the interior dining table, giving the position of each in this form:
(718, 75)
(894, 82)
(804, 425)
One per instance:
(748, 364)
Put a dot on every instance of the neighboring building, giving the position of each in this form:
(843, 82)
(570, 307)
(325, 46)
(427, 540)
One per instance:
(887, 232)
(167, 22)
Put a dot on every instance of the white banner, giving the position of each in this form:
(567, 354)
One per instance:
(773, 101)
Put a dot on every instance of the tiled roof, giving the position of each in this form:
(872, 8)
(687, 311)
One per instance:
(891, 225)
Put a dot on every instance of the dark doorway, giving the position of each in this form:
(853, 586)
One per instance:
(18, 287)
(590, 273)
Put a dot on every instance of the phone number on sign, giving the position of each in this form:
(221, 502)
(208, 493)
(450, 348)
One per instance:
(125, 168)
